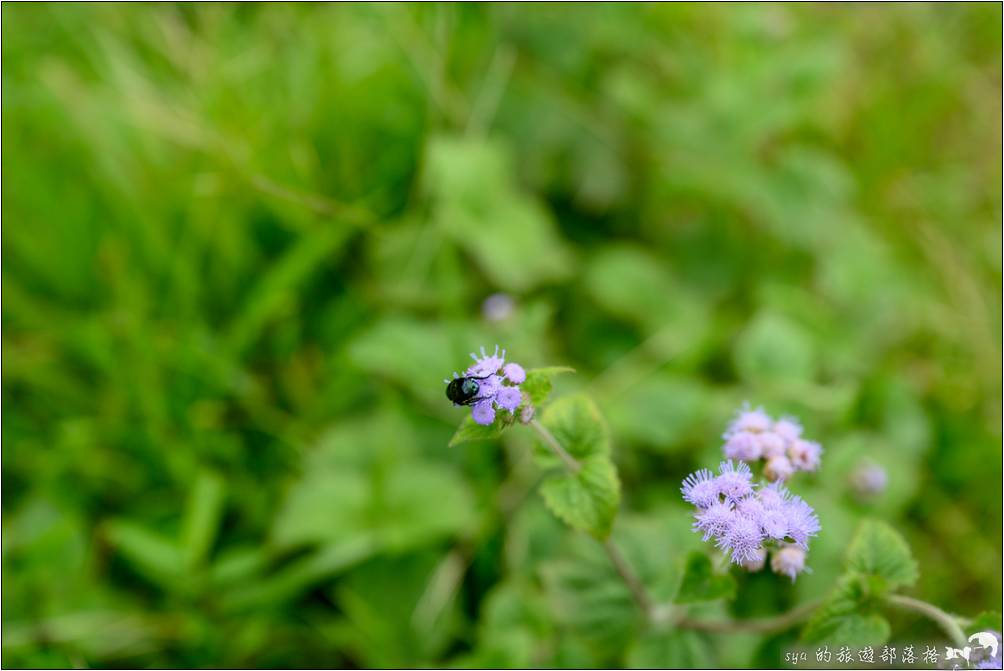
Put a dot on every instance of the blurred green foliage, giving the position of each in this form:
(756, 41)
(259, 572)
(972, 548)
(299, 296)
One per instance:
(243, 245)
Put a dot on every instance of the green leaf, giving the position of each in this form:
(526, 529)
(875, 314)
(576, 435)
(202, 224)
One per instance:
(701, 583)
(846, 618)
(775, 348)
(879, 550)
(538, 382)
(150, 553)
(202, 517)
(674, 649)
(586, 500)
(587, 597)
(576, 424)
(471, 184)
(470, 430)
(986, 621)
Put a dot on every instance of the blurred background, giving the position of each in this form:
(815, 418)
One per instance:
(244, 244)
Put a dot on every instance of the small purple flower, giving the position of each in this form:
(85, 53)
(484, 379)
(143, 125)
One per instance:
(742, 540)
(771, 444)
(869, 480)
(773, 496)
(487, 386)
(714, 520)
(778, 468)
(805, 454)
(733, 481)
(802, 521)
(774, 524)
(514, 373)
(486, 364)
(743, 446)
(700, 488)
(753, 421)
(483, 412)
(751, 507)
(498, 307)
(788, 560)
(508, 398)
(788, 429)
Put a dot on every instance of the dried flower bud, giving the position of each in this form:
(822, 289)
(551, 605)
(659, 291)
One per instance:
(778, 468)
(756, 562)
(788, 560)
(869, 480)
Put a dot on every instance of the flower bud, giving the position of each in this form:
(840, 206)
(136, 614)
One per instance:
(868, 480)
(527, 412)
(498, 307)
(771, 445)
(788, 560)
(756, 562)
(778, 468)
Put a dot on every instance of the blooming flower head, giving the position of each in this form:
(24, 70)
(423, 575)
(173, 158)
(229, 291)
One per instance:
(733, 480)
(751, 522)
(488, 385)
(744, 446)
(743, 540)
(754, 435)
(749, 420)
(714, 520)
(700, 488)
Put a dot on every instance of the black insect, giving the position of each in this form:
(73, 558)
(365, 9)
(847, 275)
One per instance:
(464, 390)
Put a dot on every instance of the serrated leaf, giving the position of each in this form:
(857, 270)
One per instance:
(538, 382)
(576, 424)
(674, 649)
(853, 629)
(986, 621)
(470, 430)
(846, 618)
(879, 550)
(701, 583)
(586, 500)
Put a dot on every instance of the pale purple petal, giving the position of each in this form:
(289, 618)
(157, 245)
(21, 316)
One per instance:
(514, 373)
(483, 413)
(508, 398)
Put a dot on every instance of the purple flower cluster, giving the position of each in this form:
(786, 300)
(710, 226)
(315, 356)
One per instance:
(754, 435)
(498, 385)
(743, 518)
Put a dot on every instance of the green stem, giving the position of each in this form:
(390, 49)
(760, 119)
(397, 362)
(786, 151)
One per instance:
(634, 584)
(620, 564)
(571, 463)
(947, 622)
(765, 625)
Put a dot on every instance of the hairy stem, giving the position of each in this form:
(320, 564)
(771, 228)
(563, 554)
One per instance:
(629, 577)
(571, 463)
(766, 625)
(947, 622)
(624, 570)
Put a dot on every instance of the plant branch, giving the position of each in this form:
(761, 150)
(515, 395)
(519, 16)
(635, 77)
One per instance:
(629, 577)
(947, 622)
(766, 625)
(571, 463)
(620, 564)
